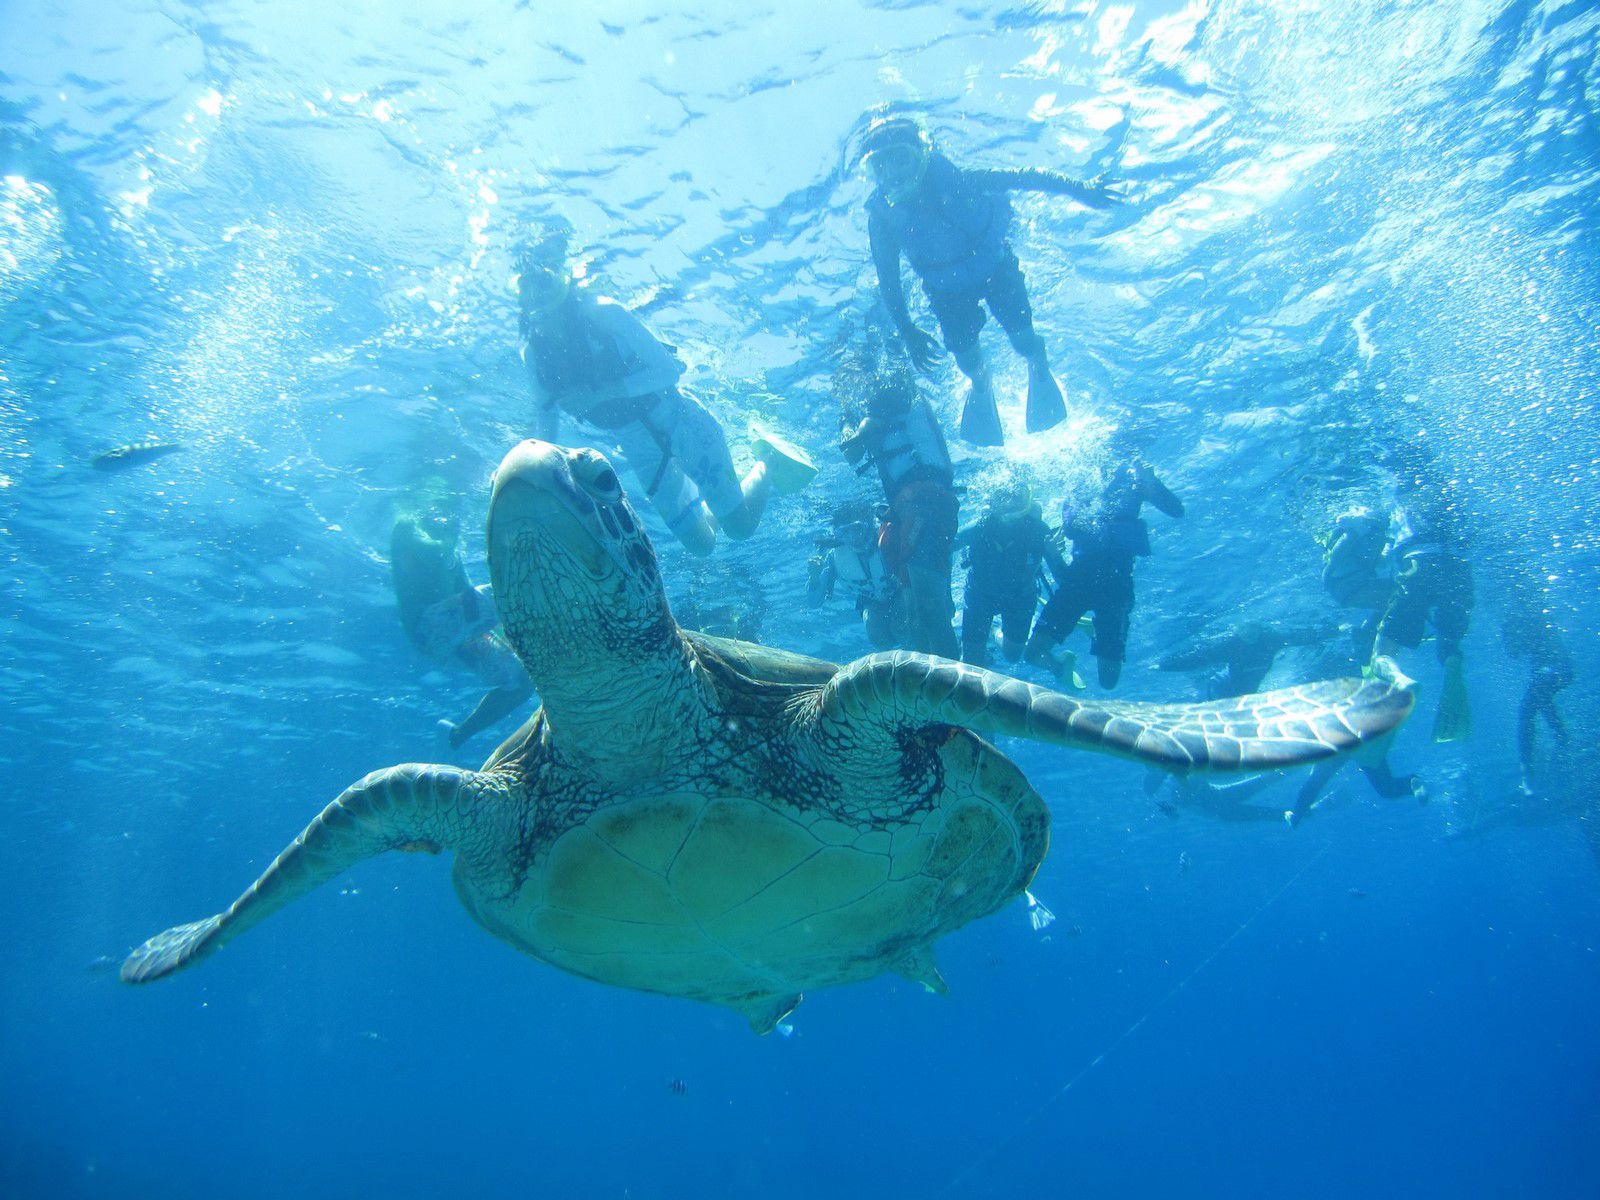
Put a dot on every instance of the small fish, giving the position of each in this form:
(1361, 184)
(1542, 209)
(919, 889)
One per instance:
(1356, 893)
(1183, 862)
(135, 454)
(677, 1087)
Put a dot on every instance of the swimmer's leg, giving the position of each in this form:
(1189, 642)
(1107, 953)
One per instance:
(1007, 294)
(495, 705)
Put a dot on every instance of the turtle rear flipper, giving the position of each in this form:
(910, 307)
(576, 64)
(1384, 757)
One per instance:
(403, 808)
(889, 692)
(171, 951)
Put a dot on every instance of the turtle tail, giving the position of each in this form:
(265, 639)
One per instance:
(409, 807)
(896, 690)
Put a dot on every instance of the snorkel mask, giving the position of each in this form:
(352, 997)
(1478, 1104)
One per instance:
(542, 278)
(895, 153)
(542, 289)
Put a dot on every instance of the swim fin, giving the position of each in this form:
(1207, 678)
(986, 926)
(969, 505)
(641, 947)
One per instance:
(1454, 719)
(980, 418)
(1067, 674)
(788, 467)
(1046, 408)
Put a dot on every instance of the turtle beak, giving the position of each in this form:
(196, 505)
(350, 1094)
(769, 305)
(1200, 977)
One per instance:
(535, 494)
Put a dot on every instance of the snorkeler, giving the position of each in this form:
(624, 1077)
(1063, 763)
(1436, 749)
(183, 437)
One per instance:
(590, 357)
(1433, 586)
(1242, 657)
(1531, 637)
(1099, 579)
(451, 622)
(1356, 572)
(901, 437)
(1372, 759)
(1005, 549)
(952, 224)
(851, 557)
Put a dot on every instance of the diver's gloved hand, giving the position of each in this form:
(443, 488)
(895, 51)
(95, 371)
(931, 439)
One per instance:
(924, 349)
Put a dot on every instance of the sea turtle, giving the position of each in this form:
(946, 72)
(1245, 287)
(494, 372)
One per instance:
(719, 820)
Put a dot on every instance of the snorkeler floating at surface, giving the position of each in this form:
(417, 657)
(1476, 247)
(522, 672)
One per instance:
(952, 224)
(591, 358)
(452, 623)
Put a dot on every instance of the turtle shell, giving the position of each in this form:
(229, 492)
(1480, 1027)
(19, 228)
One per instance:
(723, 889)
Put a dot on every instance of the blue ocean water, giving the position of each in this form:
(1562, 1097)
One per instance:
(280, 235)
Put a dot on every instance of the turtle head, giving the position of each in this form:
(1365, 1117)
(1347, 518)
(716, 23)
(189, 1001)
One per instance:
(575, 576)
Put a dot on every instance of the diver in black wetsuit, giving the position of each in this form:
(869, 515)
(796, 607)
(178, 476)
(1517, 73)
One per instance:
(1100, 577)
(1530, 636)
(1005, 549)
(952, 225)
(451, 622)
(1243, 656)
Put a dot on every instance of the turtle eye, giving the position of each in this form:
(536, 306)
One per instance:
(597, 476)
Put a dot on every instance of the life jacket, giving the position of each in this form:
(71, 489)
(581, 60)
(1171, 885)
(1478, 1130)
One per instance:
(952, 231)
(866, 573)
(910, 447)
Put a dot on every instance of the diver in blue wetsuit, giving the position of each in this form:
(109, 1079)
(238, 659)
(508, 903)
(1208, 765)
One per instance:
(952, 224)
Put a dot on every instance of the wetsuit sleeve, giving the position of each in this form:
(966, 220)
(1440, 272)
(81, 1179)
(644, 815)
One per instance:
(1159, 494)
(1035, 179)
(1209, 653)
(1051, 542)
(823, 577)
(651, 366)
(853, 444)
(1307, 635)
(886, 258)
(546, 412)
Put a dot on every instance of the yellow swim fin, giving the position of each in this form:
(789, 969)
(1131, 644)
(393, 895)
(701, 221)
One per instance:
(788, 466)
(1454, 720)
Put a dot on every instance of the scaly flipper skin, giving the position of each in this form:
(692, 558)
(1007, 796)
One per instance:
(898, 690)
(410, 807)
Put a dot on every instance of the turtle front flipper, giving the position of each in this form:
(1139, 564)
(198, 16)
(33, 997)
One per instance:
(410, 807)
(888, 693)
